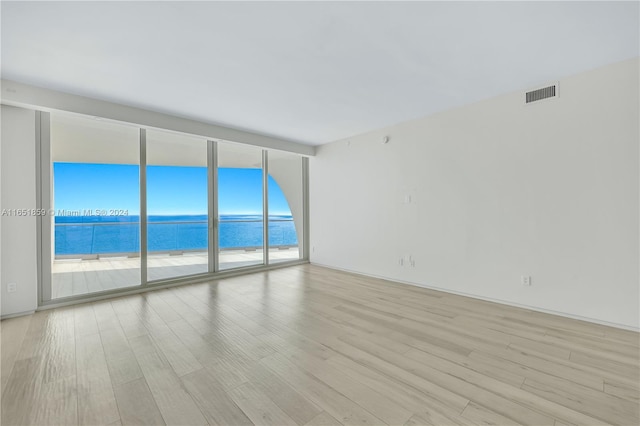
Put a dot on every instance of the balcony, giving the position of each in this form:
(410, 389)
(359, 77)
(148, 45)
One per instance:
(100, 256)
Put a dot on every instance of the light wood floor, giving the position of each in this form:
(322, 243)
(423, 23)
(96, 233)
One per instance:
(311, 346)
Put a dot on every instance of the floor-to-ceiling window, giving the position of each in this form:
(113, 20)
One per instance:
(96, 221)
(136, 207)
(286, 206)
(177, 205)
(240, 206)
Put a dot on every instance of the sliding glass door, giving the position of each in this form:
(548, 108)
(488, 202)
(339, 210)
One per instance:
(177, 205)
(240, 206)
(133, 207)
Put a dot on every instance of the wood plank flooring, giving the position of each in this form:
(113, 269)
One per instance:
(312, 346)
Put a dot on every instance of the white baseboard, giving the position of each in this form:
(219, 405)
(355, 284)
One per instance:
(488, 299)
(17, 314)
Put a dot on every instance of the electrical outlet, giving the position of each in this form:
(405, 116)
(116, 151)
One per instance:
(12, 287)
(526, 280)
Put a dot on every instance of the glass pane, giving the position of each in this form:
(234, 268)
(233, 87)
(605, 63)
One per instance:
(285, 206)
(96, 193)
(240, 237)
(177, 209)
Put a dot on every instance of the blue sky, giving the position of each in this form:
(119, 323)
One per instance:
(170, 190)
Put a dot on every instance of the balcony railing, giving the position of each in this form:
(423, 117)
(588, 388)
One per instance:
(121, 239)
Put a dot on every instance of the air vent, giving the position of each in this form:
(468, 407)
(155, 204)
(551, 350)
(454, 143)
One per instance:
(540, 94)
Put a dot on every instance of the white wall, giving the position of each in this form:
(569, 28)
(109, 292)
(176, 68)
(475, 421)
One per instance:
(499, 189)
(18, 191)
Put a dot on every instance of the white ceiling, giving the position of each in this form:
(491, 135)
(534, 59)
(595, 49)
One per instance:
(310, 72)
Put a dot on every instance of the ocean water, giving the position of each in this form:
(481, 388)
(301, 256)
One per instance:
(121, 234)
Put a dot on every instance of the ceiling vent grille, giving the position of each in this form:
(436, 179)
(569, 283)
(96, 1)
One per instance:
(540, 94)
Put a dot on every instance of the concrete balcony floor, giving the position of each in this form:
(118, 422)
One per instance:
(72, 277)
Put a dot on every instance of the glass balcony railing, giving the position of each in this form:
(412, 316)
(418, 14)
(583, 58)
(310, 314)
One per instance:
(121, 237)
